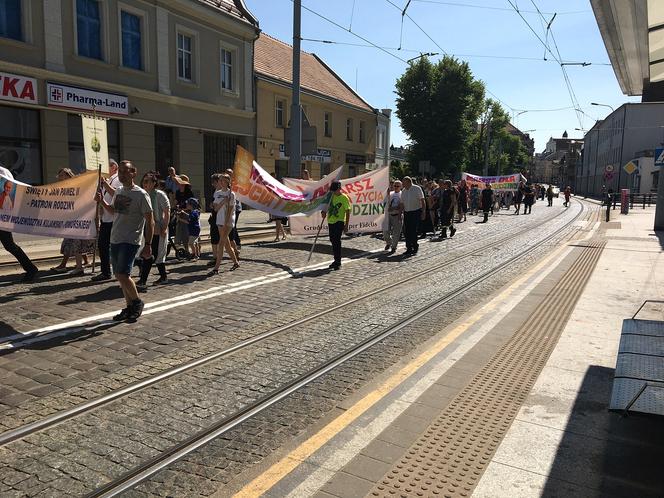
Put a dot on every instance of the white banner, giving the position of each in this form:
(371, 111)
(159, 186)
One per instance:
(62, 209)
(367, 194)
(95, 143)
(73, 97)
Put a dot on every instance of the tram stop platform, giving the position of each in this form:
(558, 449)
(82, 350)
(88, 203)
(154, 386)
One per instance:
(512, 400)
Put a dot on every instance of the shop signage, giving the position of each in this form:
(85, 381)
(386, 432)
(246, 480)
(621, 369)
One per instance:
(321, 156)
(72, 97)
(18, 88)
(356, 159)
(659, 157)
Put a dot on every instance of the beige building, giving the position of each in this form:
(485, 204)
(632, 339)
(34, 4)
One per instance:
(345, 123)
(173, 77)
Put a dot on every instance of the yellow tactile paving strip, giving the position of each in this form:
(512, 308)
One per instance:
(449, 458)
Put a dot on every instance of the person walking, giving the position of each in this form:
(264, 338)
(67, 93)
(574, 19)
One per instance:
(487, 201)
(474, 199)
(394, 218)
(518, 198)
(132, 220)
(108, 185)
(338, 217)
(161, 209)
(234, 235)
(568, 193)
(414, 212)
(448, 202)
(549, 195)
(528, 198)
(224, 205)
(463, 200)
(7, 240)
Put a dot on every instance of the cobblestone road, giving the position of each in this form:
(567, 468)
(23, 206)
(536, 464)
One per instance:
(77, 456)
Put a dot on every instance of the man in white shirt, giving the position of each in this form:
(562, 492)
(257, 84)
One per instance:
(109, 186)
(412, 198)
(10, 246)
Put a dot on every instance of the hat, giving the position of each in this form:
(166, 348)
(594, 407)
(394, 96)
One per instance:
(194, 202)
(184, 179)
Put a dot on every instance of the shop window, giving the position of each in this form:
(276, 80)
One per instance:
(76, 149)
(227, 70)
(10, 19)
(185, 53)
(88, 28)
(131, 41)
(20, 146)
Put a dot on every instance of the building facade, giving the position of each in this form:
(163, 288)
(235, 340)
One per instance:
(631, 132)
(383, 137)
(345, 124)
(557, 164)
(173, 78)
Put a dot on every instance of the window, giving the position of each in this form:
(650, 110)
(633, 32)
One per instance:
(363, 137)
(76, 149)
(131, 40)
(226, 69)
(20, 147)
(10, 19)
(349, 129)
(88, 28)
(279, 113)
(185, 49)
(328, 124)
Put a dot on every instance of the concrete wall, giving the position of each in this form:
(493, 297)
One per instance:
(189, 155)
(137, 144)
(55, 144)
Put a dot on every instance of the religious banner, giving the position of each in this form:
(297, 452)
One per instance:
(255, 187)
(62, 209)
(95, 143)
(367, 201)
(505, 182)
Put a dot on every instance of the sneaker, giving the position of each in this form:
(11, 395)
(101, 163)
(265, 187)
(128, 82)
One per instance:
(141, 286)
(452, 231)
(161, 280)
(101, 277)
(122, 316)
(334, 266)
(136, 310)
(387, 246)
(392, 251)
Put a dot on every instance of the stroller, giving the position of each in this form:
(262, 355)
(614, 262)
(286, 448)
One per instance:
(180, 250)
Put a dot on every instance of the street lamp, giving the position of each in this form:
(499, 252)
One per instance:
(428, 54)
(603, 105)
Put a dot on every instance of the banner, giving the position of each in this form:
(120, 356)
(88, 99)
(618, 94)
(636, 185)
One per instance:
(255, 187)
(506, 182)
(62, 209)
(367, 201)
(95, 143)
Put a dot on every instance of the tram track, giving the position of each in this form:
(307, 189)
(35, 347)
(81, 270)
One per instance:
(93, 404)
(151, 466)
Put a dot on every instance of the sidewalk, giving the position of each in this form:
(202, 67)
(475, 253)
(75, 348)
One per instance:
(251, 223)
(434, 426)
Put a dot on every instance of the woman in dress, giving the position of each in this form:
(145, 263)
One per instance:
(224, 205)
(76, 248)
(463, 200)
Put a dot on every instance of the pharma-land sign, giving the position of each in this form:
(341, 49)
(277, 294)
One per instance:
(72, 97)
(18, 88)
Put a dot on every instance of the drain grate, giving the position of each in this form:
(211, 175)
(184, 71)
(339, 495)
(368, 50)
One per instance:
(449, 458)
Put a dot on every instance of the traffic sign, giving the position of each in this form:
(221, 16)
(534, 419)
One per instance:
(609, 168)
(659, 157)
(630, 167)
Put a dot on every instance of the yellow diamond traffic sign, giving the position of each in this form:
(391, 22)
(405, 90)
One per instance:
(630, 167)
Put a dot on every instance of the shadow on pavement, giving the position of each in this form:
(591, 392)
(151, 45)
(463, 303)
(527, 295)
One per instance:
(604, 454)
(660, 237)
(48, 288)
(7, 330)
(111, 292)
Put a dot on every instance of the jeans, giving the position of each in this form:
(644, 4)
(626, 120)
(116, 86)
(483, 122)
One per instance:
(10, 246)
(122, 257)
(104, 244)
(411, 222)
(336, 230)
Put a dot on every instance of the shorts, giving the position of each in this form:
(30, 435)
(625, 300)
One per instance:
(193, 239)
(122, 257)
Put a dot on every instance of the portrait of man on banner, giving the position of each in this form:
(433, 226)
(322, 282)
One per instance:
(7, 194)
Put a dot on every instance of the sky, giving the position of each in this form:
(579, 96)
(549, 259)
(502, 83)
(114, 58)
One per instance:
(499, 46)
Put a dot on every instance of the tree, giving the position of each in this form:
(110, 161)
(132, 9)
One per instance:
(399, 169)
(438, 106)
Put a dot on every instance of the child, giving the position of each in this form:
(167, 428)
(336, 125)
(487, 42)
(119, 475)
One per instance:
(192, 215)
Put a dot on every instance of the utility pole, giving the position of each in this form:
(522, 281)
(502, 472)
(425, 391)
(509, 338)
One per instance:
(294, 160)
(485, 170)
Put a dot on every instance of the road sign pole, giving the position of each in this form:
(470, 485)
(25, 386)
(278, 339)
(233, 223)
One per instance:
(296, 115)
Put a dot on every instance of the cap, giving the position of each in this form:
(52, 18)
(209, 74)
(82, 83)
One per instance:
(194, 202)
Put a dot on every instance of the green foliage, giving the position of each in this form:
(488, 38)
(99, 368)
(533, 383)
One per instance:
(438, 106)
(399, 169)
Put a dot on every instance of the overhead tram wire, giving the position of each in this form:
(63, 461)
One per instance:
(352, 33)
(487, 7)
